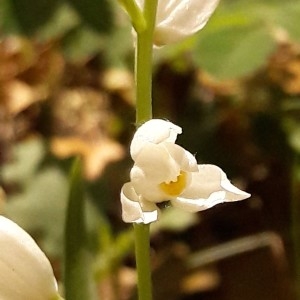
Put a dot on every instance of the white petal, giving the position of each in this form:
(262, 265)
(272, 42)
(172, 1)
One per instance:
(194, 205)
(25, 271)
(134, 209)
(208, 187)
(157, 162)
(147, 186)
(204, 182)
(209, 179)
(177, 19)
(232, 192)
(183, 158)
(154, 131)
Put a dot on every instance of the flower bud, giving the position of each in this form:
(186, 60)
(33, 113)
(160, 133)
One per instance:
(25, 271)
(178, 19)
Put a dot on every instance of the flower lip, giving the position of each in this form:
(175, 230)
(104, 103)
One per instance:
(175, 188)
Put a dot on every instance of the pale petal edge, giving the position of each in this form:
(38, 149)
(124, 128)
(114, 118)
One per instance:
(153, 131)
(133, 211)
(195, 205)
(232, 192)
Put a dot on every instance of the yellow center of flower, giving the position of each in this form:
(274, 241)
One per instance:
(175, 188)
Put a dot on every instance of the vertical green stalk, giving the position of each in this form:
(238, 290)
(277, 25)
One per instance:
(77, 264)
(143, 77)
(143, 64)
(142, 256)
(295, 220)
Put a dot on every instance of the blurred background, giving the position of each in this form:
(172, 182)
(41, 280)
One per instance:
(67, 89)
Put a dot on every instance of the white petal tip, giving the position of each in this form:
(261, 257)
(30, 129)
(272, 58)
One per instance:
(133, 211)
(232, 192)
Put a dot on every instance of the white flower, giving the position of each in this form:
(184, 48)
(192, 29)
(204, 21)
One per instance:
(177, 19)
(165, 171)
(25, 271)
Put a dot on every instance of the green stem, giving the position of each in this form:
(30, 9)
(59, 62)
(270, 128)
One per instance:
(143, 67)
(143, 77)
(142, 255)
(137, 19)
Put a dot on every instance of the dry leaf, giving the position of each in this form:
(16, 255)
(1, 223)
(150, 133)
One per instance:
(284, 68)
(17, 96)
(96, 154)
(119, 81)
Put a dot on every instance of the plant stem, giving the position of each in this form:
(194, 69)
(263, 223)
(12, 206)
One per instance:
(143, 64)
(135, 14)
(143, 79)
(142, 256)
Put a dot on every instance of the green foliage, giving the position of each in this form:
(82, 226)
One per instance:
(39, 206)
(78, 279)
(242, 34)
(232, 52)
(237, 40)
(95, 13)
(80, 25)
(25, 17)
(81, 42)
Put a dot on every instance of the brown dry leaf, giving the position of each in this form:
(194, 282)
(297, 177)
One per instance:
(200, 280)
(16, 55)
(284, 68)
(17, 96)
(214, 87)
(119, 81)
(119, 285)
(2, 200)
(96, 154)
(81, 111)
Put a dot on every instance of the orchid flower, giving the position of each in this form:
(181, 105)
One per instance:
(25, 271)
(164, 171)
(178, 19)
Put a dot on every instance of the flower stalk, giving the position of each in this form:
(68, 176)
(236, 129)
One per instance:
(142, 256)
(135, 14)
(143, 64)
(143, 80)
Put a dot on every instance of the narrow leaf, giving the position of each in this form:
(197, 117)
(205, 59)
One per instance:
(78, 276)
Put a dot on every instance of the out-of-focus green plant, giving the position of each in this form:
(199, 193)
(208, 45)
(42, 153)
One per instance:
(238, 39)
(241, 35)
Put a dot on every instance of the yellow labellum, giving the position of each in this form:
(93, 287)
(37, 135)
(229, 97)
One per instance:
(175, 188)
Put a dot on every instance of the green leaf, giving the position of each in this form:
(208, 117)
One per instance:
(242, 34)
(97, 14)
(40, 208)
(81, 43)
(41, 197)
(40, 19)
(78, 279)
(61, 22)
(288, 17)
(233, 51)
(27, 16)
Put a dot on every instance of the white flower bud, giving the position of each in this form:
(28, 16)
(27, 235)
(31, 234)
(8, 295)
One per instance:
(25, 271)
(178, 19)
